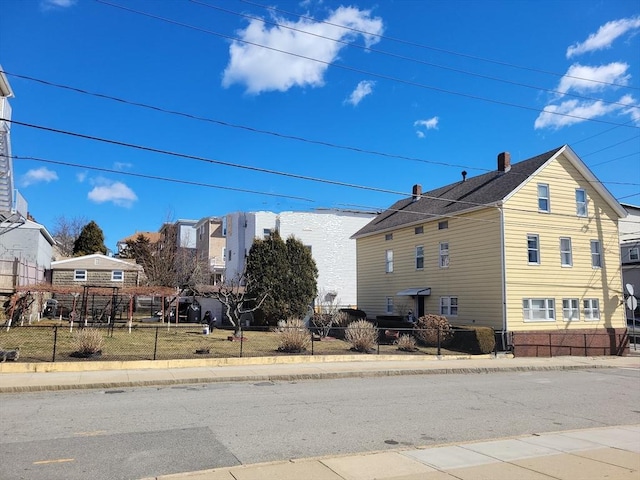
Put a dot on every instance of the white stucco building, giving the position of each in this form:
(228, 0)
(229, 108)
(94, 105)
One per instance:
(326, 232)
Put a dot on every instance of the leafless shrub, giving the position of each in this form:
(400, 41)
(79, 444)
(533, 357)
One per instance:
(430, 326)
(294, 337)
(362, 335)
(407, 343)
(88, 341)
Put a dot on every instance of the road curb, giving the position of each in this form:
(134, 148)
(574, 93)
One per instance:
(299, 376)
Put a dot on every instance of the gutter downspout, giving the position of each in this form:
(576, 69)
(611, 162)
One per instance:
(504, 277)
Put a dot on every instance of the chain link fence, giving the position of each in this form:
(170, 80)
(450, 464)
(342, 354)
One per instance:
(121, 342)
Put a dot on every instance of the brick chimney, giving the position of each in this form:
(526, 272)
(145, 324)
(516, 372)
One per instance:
(417, 191)
(504, 162)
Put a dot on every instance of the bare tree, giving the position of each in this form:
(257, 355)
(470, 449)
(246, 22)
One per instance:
(328, 314)
(234, 297)
(66, 231)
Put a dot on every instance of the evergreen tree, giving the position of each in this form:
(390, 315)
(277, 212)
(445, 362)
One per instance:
(90, 240)
(287, 272)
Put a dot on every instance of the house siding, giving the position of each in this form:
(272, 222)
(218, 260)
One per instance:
(549, 279)
(473, 275)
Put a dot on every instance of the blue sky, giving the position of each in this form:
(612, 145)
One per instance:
(286, 109)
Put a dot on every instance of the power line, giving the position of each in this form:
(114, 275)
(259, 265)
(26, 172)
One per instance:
(257, 169)
(164, 179)
(242, 127)
(265, 132)
(364, 72)
(441, 50)
(415, 60)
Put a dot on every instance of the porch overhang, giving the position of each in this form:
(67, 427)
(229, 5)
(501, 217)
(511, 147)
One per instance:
(415, 292)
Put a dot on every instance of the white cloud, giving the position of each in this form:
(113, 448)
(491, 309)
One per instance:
(81, 176)
(268, 69)
(428, 124)
(122, 166)
(38, 175)
(116, 192)
(363, 89)
(605, 36)
(583, 78)
(571, 112)
(49, 4)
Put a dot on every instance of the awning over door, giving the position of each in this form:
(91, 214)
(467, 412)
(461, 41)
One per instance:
(415, 292)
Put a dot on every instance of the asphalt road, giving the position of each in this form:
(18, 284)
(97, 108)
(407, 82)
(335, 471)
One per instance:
(139, 432)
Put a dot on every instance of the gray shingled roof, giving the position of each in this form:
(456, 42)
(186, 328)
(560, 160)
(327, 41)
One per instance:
(484, 189)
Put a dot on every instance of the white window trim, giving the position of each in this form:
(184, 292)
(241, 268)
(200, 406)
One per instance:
(596, 255)
(444, 259)
(449, 306)
(584, 204)
(566, 252)
(388, 267)
(113, 275)
(634, 251)
(571, 309)
(589, 305)
(421, 256)
(549, 307)
(80, 278)
(547, 198)
(537, 249)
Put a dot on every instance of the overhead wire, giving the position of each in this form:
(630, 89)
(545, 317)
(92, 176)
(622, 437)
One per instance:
(257, 169)
(428, 47)
(159, 178)
(252, 129)
(360, 71)
(374, 210)
(411, 59)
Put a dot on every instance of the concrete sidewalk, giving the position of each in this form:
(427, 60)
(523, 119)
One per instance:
(23, 377)
(593, 454)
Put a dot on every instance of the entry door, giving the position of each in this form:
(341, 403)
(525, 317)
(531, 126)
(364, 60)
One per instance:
(421, 311)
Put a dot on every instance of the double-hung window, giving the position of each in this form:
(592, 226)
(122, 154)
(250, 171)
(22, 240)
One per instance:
(596, 254)
(389, 261)
(543, 198)
(581, 202)
(538, 309)
(566, 256)
(419, 257)
(570, 310)
(533, 249)
(80, 275)
(117, 276)
(591, 307)
(634, 254)
(389, 305)
(444, 254)
(449, 306)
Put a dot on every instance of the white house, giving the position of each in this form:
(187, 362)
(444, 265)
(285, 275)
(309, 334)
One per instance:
(326, 232)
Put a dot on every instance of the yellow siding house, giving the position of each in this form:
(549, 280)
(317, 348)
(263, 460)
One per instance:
(530, 249)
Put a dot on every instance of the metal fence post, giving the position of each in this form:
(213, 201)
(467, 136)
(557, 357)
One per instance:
(241, 340)
(311, 333)
(439, 351)
(155, 344)
(55, 342)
